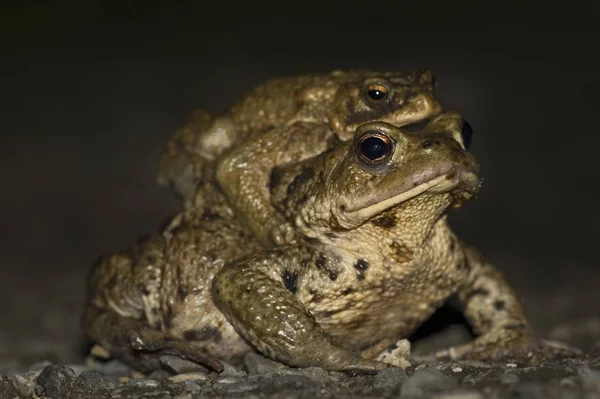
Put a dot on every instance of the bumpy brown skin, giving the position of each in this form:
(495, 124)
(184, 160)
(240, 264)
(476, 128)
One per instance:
(374, 259)
(156, 298)
(285, 121)
(377, 259)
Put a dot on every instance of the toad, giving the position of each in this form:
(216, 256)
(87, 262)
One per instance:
(285, 121)
(375, 257)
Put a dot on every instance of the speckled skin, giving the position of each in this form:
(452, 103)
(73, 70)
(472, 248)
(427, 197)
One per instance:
(284, 121)
(374, 257)
(155, 298)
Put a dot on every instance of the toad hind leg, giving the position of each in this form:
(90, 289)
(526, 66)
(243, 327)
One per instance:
(140, 346)
(495, 313)
(265, 311)
(119, 314)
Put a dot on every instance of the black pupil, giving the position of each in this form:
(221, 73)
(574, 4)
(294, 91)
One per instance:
(374, 148)
(376, 94)
(467, 134)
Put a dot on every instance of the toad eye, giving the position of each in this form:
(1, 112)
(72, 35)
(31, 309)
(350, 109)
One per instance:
(466, 134)
(374, 147)
(377, 93)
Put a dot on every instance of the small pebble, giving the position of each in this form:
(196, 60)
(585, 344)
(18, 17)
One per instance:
(195, 376)
(316, 374)
(237, 388)
(460, 395)
(228, 380)
(180, 388)
(7, 390)
(398, 355)
(427, 380)
(143, 383)
(99, 352)
(109, 367)
(568, 382)
(25, 383)
(232, 371)
(257, 364)
(191, 386)
(55, 381)
(457, 369)
(93, 381)
(389, 378)
(477, 364)
(509, 378)
(285, 382)
(590, 379)
(159, 375)
(511, 365)
(180, 366)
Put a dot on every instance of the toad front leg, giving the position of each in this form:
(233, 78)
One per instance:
(244, 174)
(258, 297)
(495, 313)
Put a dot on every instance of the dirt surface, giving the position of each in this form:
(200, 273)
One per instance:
(90, 91)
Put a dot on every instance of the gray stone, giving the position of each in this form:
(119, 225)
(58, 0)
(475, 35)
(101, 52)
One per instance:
(7, 390)
(184, 387)
(55, 381)
(228, 380)
(180, 366)
(190, 386)
(427, 380)
(527, 389)
(460, 395)
(389, 378)
(236, 388)
(316, 374)
(478, 364)
(285, 382)
(257, 364)
(193, 376)
(160, 375)
(397, 355)
(93, 381)
(143, 383)
(590, 379)
(111, 367)
(25, 383)
(232, 371)
(509, 378)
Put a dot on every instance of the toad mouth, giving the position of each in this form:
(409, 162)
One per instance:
(440, 182)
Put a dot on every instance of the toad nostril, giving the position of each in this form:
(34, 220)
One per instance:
(426, 144)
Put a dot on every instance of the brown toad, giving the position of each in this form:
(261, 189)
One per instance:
(285, 121)
(376, 258)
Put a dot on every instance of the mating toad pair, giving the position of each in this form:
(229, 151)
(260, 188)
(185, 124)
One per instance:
(314, 230)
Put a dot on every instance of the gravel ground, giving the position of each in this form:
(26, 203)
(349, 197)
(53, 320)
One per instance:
(260, 377)
(90, 91)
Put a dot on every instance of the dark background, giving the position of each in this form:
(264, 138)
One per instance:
(90, 92)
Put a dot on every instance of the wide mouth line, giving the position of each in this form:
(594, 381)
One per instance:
(414, 191)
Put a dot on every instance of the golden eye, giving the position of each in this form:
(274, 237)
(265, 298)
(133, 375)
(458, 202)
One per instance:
(377, 93)
(373, 147)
